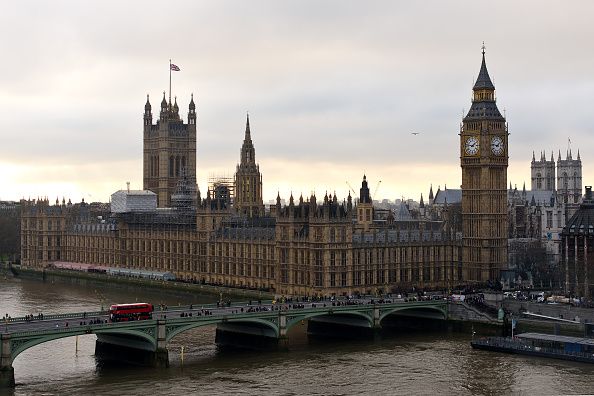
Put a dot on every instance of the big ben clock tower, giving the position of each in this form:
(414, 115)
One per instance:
(484, 159)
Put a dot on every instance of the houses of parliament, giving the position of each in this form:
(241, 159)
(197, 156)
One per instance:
(310, 246)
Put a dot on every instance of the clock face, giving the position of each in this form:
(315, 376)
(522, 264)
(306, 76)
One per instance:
(497, 145)
(471, 147)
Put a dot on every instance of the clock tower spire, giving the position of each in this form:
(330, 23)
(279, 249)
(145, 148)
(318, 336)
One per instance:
(484, 160)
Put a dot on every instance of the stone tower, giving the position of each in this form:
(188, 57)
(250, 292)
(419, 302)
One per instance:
(364, 206)
(169, 147)
(248, 180)
(484, 159)
(569, 177)
(542, 173)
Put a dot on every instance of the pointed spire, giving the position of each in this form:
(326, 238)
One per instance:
(248, 135)
(147, 106)
(552, 159)
(533, 157)
(578, 157)
(524, 187)
(570, 154)
(431, 193)
(163, 102)
(559, 159)
(483, 81)
(192, 104)
(421, 203)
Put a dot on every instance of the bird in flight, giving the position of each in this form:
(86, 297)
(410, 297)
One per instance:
(414, 133)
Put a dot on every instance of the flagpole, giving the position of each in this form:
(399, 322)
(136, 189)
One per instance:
(169, 81)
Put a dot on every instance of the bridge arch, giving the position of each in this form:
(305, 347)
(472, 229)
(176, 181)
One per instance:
(174, 330)
(21, 345)
(292, 320)
(438, 309)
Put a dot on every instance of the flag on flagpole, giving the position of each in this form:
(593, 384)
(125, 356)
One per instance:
(174, 67)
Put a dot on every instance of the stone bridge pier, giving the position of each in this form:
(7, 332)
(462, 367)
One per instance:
(161, 358)
(6, 369)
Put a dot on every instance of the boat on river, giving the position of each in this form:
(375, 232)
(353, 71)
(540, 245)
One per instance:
(543, 345)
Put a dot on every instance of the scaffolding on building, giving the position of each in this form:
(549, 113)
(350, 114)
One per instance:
(222, 186)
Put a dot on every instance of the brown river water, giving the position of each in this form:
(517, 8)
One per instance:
(424, 363)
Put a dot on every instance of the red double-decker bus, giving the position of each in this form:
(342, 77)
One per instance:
(128, 312)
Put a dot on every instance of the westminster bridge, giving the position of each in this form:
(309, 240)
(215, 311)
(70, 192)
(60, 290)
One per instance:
(149, 338)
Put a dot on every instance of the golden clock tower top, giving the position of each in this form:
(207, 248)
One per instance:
(483, 98)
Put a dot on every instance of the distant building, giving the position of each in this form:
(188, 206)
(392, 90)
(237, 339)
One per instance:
(10, 225)
(124, 201)
(577, 242)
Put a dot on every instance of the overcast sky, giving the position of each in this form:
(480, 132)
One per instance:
(334, 89)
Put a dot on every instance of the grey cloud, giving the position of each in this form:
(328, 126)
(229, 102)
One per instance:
(338, 82)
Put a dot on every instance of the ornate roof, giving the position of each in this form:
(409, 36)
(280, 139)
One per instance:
(483, 81)
(483, 106)
(484, 110)
(451, 196)
(582, 222)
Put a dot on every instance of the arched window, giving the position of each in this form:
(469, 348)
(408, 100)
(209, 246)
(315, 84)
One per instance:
(177, 166)
(565, 181)
(171, 165)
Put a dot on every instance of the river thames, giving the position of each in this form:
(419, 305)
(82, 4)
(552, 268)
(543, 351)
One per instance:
(414, 363)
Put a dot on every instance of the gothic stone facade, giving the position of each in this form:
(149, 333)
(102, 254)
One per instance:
(169, 149)
(305, 249)
(308, 248)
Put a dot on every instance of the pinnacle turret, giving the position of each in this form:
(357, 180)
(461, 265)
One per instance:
(192, 104)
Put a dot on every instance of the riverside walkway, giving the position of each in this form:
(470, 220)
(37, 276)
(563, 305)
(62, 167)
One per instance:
(153, 335)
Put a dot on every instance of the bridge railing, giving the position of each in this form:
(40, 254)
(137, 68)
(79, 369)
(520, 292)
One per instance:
(82, 329)
(37, 318)
(211, 305)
